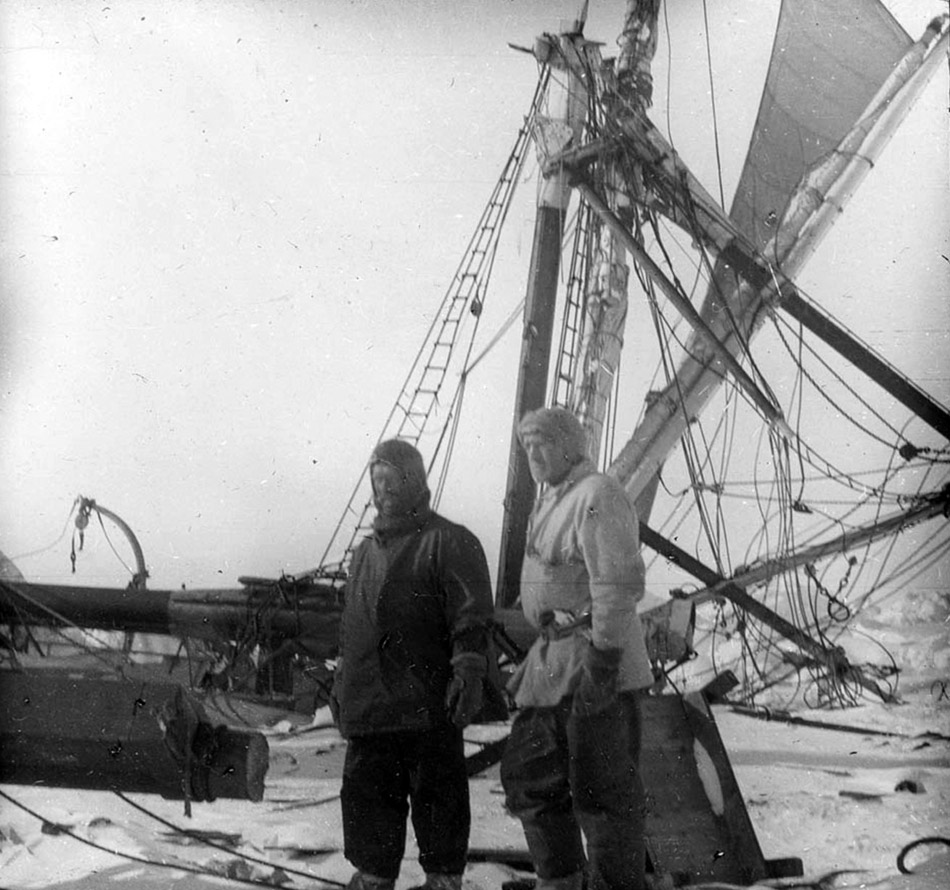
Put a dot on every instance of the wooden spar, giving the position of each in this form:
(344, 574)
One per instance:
(664, 422)
(305, 612)
(569, 106)
(605, 306)
(927, 508)
(911, 396)
(530, 393)
(606, 289)
(667, 414)
(824, 191)
(732, 591)
(122, 734)
(718, 232)
(682, 304)
(133, 611)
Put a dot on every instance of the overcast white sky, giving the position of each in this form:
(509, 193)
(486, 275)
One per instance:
(225, 227)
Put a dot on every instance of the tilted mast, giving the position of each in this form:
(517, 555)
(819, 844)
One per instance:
(754, 269)
(814, 205)
(757, 255)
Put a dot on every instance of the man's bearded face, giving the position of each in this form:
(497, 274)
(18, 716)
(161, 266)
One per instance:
(546, 458)
(391, 489)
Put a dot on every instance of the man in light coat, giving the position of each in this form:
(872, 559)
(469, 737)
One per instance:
(571, 764)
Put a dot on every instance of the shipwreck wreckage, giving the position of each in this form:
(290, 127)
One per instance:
(618, 202)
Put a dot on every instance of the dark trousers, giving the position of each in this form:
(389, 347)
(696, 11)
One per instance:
(564, 775)
(387, 776)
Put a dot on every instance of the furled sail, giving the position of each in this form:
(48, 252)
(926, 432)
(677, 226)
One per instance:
(733, 306)
(841, 75)
(828, 60)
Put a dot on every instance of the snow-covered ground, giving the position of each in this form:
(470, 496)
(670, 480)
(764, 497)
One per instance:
(838, 798)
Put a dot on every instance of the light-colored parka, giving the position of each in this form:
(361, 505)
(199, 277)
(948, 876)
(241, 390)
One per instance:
(582, 554)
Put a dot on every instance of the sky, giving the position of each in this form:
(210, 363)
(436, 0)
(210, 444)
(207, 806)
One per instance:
(225, 227)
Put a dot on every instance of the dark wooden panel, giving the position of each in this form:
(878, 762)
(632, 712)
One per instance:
(694, 833)
(64, 729)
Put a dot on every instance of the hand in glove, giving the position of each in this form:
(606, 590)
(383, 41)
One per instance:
(463, 698)
(597, 690)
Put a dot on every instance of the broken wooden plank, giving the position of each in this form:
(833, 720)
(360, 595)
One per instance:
(697, 828)
(70, 730)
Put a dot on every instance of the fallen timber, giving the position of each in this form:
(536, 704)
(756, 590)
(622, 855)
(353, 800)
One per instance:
(122, 726)
(131, 733)
(280, 609)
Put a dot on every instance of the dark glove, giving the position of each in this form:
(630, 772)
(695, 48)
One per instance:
(597, 690)
(463, 698)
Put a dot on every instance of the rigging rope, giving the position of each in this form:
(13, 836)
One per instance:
(786, 503)
(712, 103)
(227, 849)
(57, 828)
(421, 393)
(49, 547)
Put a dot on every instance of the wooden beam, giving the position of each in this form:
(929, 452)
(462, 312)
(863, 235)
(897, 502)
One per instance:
(682, 304)
(277, 611)
(111, 733)
(911, 396)
(833, 658)
(106, 608)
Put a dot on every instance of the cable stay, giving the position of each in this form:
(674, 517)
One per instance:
(461, 308)
(85, 506)
(750, 275)
(675, 192)
(936, 504)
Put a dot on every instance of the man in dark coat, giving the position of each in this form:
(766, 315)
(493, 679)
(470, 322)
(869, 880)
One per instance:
(413, 646)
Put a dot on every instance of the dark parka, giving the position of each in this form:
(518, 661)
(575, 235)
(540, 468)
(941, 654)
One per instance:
(413, 600)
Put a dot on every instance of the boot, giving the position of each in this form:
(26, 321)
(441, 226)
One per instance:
(440, 881)
(363, 880)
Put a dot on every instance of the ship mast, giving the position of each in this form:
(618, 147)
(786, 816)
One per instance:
(805, 224)
(752, 277)
(555, 133)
